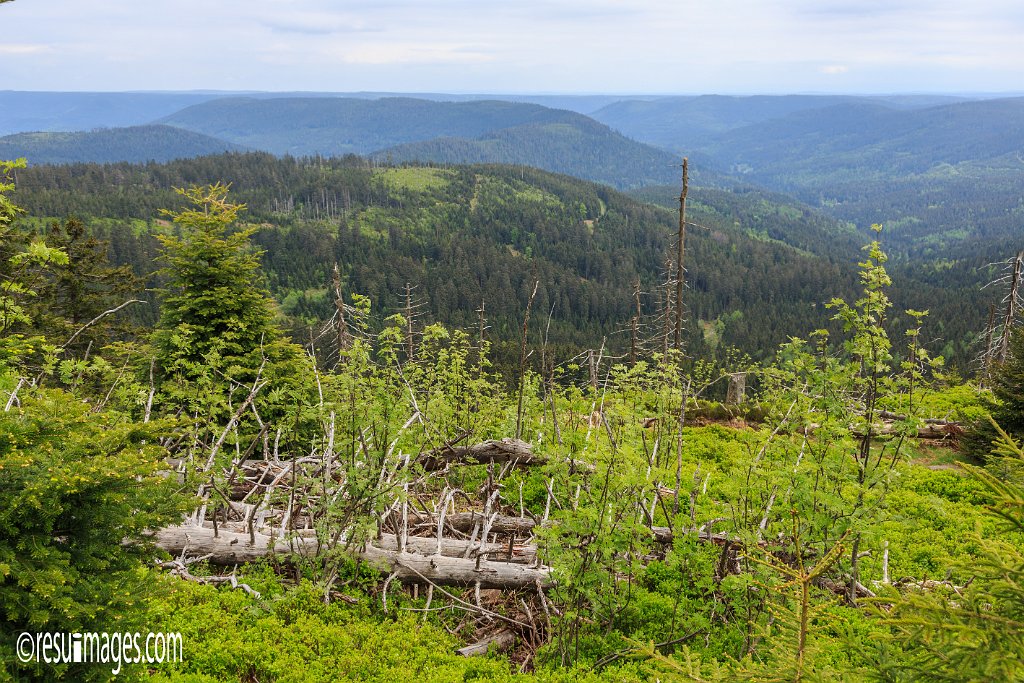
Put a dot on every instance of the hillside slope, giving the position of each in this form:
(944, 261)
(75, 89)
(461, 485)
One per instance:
(333, 126)
(134, 144)
(22, 111)
(580, 147)
(872, 141)
(472, 234)
(682, 124)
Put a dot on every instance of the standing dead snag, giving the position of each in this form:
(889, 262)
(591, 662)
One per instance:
(1012, 307)
(737, 390)
(340, 325)
(680, 251)
(522, 361)
(635, 323)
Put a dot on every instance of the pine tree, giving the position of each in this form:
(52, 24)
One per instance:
(973, 632)
(78, 291)
(215, 313)
(1008, 388)
(1007, 406)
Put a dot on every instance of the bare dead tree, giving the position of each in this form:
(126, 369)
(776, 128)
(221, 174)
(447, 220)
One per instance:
(680, 253)
(340, 324)
(635, 323)
(481, 333)
(522, 361)
(1013, 303)
(997, 347)
(411, 312)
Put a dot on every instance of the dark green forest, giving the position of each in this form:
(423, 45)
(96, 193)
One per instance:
(136, 143)
(471, 235)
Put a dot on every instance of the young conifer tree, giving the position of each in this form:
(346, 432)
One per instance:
(215, 313)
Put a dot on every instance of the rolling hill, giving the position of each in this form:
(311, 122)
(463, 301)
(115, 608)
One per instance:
(580, 147)
(404, 129)
(306, 126)
(137, 143)
(22, 111)
(818, 147)
(945, 180)
(682, 124)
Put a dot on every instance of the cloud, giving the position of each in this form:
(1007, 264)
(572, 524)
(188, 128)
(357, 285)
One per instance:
(410, 53)
(637, 46)
(318, 23)
(23, 48)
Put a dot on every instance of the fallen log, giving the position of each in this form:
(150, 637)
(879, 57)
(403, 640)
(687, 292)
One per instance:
(500, 524)
(504, 524)
(507, 450)
(229, 548)
(261, 473)
(929, 430)
(496, 642)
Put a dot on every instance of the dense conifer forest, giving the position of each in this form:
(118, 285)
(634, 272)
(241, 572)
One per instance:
(760, 266)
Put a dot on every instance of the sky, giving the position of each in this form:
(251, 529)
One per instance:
(527, 46)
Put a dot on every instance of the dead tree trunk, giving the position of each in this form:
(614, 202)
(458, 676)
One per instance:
(737, 391)
(1012, 302)
(344, 341)
(680, 271)
(504, 451)
(230, 548)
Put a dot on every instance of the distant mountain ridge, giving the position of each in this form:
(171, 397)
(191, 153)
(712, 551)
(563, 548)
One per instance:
(133, 144)
(305, 126)
(23, 112)
(682, 123)
(872, 140)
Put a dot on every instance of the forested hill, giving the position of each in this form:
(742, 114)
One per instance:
(134, 144)
(466, 235)
(821, 146)
(304, 126)
(407, 129)
(683, 124)
(943, 177)
(580, 147)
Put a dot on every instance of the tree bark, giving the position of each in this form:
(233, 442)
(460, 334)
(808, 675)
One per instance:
(501, 640)
(506, 450)
(229, 548)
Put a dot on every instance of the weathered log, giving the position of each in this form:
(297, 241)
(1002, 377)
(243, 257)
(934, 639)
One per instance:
(500, 524)
(888, 415)
(504, 524)
(502, 640)
(504, 451)
(229, 548)
(306, 543)
(930, 430)
(456, 547)
(252, 473)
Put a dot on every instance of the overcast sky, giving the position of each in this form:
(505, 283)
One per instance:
(528, 46)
